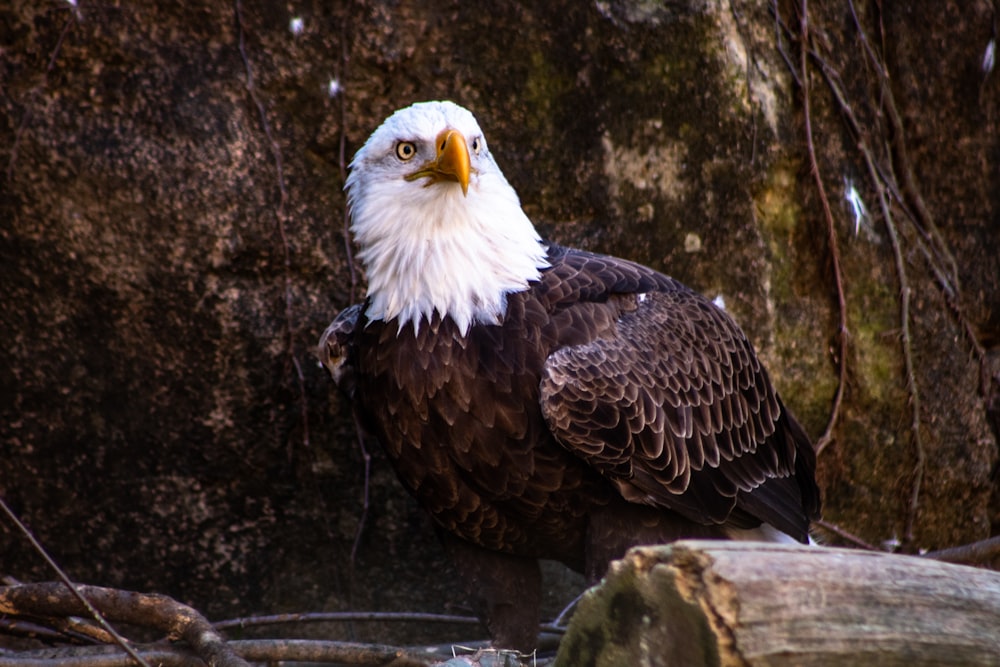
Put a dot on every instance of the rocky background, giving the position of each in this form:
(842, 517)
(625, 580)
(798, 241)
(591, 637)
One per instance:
(172, 244)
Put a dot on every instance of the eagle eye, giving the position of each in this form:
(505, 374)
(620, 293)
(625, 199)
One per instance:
(405, 150)
(476, 145)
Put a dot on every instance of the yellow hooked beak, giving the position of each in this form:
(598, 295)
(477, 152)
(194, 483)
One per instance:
(451, 163)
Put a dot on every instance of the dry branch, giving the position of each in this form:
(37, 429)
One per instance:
(281, 223)
(739, 603)
(69, 586)
(255, 650)
(53, 602)
(883, 180)
(101, 656)
(977, 553)
(160, 612)
(843, 333)
(342, 617)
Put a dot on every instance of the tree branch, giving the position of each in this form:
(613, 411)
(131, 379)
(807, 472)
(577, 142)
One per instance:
(159, 612)
(977, 553)
(849, 536)
(281, 217)
(343, 616)
(268, 651)
(843, 333)
(67, 588)
(35, 92)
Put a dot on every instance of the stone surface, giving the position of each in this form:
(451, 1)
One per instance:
(172, 246)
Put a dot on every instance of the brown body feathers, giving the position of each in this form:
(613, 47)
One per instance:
(612, 406)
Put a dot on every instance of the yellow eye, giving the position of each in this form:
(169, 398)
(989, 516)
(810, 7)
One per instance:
(405, 150)
(477, 144)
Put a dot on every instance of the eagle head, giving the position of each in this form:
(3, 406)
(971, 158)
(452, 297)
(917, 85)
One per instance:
(438, 226)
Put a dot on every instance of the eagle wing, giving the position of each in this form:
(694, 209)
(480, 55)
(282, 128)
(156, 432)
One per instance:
(336, 348)
(671, 404)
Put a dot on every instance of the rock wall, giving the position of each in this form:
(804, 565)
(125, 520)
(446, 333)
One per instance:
(172, 244)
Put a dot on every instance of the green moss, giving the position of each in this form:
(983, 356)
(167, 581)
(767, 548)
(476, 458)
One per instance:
(807, 380)
(545, 85)
(638, 616)
(873, 313)
(779, 215)
(778, 201)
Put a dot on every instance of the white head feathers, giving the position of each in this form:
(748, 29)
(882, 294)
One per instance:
(425, 244)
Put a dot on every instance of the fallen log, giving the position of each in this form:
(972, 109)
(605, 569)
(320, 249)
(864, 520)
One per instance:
(747, 604)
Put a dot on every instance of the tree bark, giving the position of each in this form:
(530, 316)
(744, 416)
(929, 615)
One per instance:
(749, 604)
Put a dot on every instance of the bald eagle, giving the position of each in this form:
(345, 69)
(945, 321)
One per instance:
(542, 402)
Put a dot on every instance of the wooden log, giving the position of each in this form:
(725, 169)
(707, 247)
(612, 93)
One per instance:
(748, 604)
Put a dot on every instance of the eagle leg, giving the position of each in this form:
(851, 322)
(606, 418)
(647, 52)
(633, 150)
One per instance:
(613, 530)
(505, 591)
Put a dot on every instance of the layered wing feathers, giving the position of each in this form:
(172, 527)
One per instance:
(670, 402)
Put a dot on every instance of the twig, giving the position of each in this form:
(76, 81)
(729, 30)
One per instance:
(342, 617)
(881, 184)
(78, 595)
(927, 227)
(904, 287)
(346, 232)
(976, 553)
(843, 333)
(28, 112)
(305, 650)
(101, 656)
(303, 403)
(556, 627)
(919, 214)
(907, 345)
(363, 519)
(888, 180)
(270, 651)
(560, 620)
(262, 112)
(850, 537)
(281, 219)
(55, 630)
(779, 27)
(927, 238)
(73, 628)
(146, 610)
